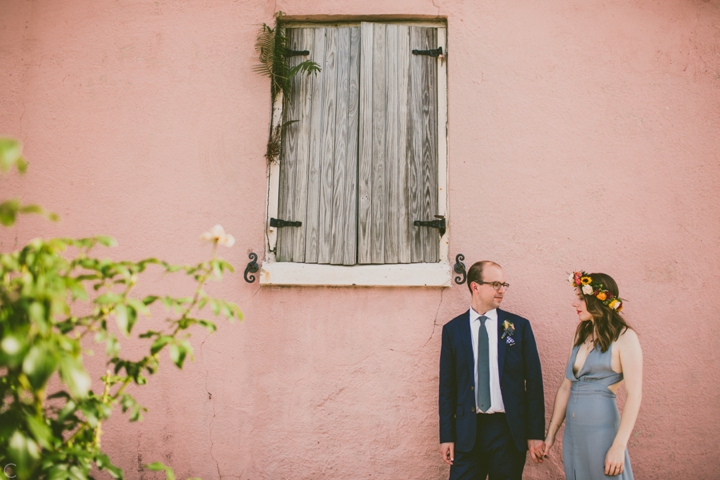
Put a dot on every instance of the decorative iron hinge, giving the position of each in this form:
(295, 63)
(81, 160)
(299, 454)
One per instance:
(274, 222)
(439, 224)
(297, 53)
(431, 53)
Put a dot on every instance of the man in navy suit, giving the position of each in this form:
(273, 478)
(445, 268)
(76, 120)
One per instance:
(492, 408)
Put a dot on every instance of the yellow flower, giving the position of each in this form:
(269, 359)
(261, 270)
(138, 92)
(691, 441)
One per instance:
(585, 280)
(613, 303)
(601, 296)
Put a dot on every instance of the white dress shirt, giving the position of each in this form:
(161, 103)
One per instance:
(491, 325)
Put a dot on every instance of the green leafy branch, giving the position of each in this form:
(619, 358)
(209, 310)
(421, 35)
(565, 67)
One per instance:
(55, 297)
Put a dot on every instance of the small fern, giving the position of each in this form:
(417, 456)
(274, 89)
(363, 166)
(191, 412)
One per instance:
(272, 45)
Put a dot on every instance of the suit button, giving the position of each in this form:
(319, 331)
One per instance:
(472, 409)
(472, 388)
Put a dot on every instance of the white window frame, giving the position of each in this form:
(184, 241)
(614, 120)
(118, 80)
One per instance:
(437, 274)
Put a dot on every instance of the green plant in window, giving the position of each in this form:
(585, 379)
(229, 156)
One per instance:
(273, 46)
(57, 299)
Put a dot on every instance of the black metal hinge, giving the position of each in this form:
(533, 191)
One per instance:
(431, 53)
(297, 53)
(274, 222)
(439, 224)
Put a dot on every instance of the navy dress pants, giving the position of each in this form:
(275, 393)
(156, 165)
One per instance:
(494, 454)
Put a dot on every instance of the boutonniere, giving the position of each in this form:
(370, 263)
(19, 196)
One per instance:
(508, 332)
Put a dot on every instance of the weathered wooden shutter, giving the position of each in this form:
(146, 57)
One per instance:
(318, 169)
(398, 162)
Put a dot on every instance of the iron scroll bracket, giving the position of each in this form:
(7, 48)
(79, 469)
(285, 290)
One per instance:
(430, 53)
(459, 268)
(252, 267)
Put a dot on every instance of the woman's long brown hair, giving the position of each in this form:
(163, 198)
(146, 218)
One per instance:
(608, 323)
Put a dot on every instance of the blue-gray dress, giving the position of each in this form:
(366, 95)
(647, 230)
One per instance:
(592, 418)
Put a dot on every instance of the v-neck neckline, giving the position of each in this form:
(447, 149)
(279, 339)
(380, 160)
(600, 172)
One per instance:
(577, 374)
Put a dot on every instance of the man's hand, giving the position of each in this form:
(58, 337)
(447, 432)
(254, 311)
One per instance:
(537, 448)
(447, 450)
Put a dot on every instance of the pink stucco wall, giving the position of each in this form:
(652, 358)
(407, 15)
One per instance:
(582, 134)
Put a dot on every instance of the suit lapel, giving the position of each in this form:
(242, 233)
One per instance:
(466, 340)
(502, 346)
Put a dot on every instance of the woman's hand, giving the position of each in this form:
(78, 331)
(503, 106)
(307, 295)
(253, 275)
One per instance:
(615, 460)
(549, 441)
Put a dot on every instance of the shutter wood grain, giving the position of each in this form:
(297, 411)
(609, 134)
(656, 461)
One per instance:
(415, 146)
(312, 230)
(327, 172)
(302, 97)
(360, 164)
(342, 59)
(398, 145)
(351, 191)
(365, 147)
(376, 116)
(391, 145)
(401, 216)
(288, 161)
(430, 236)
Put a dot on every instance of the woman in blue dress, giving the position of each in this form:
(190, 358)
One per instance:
(605, 352)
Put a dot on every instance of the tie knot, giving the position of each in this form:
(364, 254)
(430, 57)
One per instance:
(482, 319)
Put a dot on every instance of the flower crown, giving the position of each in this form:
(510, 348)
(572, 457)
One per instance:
(584, 282)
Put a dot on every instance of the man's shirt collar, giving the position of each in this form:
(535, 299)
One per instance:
(490, 314)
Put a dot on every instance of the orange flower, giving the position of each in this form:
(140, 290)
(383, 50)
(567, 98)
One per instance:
(601, 296)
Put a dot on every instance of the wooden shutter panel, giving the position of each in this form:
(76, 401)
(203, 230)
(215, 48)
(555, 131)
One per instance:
(398, 161)
(318, 169)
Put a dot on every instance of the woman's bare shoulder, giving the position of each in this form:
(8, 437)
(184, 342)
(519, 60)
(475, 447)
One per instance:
(628, 339)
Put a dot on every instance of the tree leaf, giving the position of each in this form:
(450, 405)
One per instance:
(23, 452)
(121, 317)
(39, 364)
(74, 376)
(159, 466)
(159, 343)
(178, 352)
(11, 155)
(8, 212)
(40, 430)
(103, 462)
(106, 241)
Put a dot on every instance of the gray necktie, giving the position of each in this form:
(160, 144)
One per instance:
(483, 367)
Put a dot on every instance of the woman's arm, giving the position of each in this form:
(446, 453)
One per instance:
(558, 417)
(631, 364)
(561, 401)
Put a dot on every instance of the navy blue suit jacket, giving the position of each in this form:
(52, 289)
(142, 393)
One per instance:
(520, 382)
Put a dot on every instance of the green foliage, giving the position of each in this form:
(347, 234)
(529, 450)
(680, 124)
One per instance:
(272, 45)
(56, 299)
(11, 157)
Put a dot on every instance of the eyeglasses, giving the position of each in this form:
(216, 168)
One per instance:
(495, 285)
